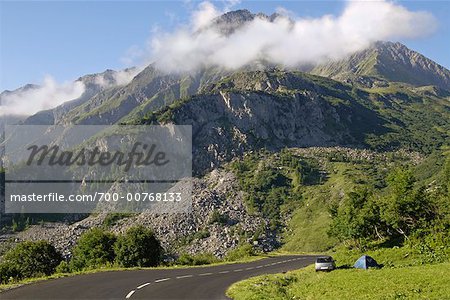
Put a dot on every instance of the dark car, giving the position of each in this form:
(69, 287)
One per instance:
(325, 263)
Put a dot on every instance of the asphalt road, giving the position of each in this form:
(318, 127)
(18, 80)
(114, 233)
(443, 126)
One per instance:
(188, 283)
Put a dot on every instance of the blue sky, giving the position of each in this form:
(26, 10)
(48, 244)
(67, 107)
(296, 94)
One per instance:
(70, 39)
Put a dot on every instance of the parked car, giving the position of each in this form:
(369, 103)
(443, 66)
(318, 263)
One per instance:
(325, 263)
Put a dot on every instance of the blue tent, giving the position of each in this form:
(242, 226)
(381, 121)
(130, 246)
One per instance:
(365, 262)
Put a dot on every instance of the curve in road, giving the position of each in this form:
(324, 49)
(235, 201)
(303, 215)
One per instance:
(187, 283)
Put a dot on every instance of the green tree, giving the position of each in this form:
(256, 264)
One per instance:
(447, 175)
(357, 218)
(29, 259)
(138, 247)
(94, 248)
(406, 208)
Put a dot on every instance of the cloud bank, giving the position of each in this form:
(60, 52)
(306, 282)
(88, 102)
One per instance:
(291, 42)
(50, 94)
(25, 102)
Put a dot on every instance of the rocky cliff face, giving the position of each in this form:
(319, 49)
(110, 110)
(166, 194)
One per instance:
(272, 110)
(228, 124)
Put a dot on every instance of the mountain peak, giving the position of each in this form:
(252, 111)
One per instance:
(391, 61)
(230, 21)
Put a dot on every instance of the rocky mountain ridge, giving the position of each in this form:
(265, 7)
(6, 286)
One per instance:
(387, 62)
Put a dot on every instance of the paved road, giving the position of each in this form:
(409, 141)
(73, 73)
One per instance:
(189, 283)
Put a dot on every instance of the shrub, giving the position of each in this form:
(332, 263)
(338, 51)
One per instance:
(29, 259)
(138, 247)
(432, 248)
(8, 273)
(201, 234)
(245, 250)
(63, 267)
(197, 259)
(95, 248)
(217, 217)
(112, 218)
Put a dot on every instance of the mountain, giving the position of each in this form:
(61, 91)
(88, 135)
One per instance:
(93, 83)
(149, 90)
(153, 89)
(24, 88)
(273, 109)
(386, 62)
(13, 119)
(345, 123)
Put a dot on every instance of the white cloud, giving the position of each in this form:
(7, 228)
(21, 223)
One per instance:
(51, 94)
(204, 15)
(121, 77)
(46, 96)
(287, 42)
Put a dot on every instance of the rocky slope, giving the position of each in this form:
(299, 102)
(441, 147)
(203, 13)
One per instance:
(218, 192)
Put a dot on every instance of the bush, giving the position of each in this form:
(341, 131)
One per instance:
(95, 248)
(197, 259)
(29, 259)
(8, 273)
(432, 248)
(63, 267)
(243, 251)
(217, 217)
(201, 234)
(112, 218)
(138, 248)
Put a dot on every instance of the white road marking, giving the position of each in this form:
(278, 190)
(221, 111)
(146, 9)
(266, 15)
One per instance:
(142, 285)
(206, 274)
(184, 276)
(129, 294)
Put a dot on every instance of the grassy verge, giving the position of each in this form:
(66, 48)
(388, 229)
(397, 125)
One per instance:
(406, 274)
(4, 287)
(416, 282)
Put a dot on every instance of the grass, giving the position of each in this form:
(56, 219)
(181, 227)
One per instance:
(417, 282)
(405, 275)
